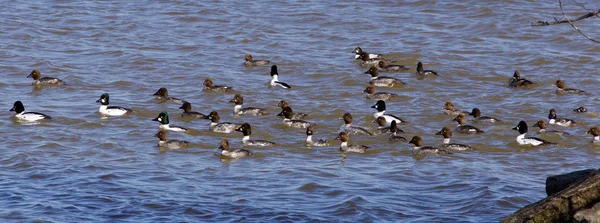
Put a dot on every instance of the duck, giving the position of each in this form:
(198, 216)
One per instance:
(462, 128)
(517, 81)
(287, 119)
(384, 96)
(163, 119)
(221, 127)
(476, 113)
(297, 115)
(21, 115)
(382, 81)
(248, 61)
(275, 81)
(344, 147)
(595, 131)
(559, 121)
(382, 124)
(420, 149)
(447, 134)
(110, 110)
(309, 141)
(522, 140)
(163, 94)
(395, 136)
(387, 67)
(542, 125)
(562, 88)
(238, 100)
(187, 111)
(580, 110)
(380, 106)
(351, 129)
(422, 72)
(246, 129)
(39, 80)
(358, 51)
(209, 86)
(163, 142)
(234, 153)
(369, 61)
(449, 109)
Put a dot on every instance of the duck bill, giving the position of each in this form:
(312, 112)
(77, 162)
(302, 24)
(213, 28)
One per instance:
(336, 138)
(374, 106)
(232, 101)
(536, 125)
(438, 133)
(366, 72)
(515, 128)
(12, 109)
(588, 132)
(155, 119)
(99, 100)
(280, 114)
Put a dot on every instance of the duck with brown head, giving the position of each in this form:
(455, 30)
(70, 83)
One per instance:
(382, 81)
(447, 134)
(420, 149)
(297, 115)
(234, 153)
(295, 123)
(210, 86)
(387, 67)
(249, 61)
(164, 142)
(517, 81)
(238, 100)
(163, 94)
(384, 96)
(246, 129)
(39, 80)
(221, 127)
(344, 147)
(351, 129)
(562, 88)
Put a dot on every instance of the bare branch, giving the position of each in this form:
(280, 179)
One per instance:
(586, 9)
(565, 20)
(575, 27)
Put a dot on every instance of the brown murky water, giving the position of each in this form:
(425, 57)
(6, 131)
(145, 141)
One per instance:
(80, 167)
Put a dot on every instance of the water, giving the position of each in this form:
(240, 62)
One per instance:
(80, 167)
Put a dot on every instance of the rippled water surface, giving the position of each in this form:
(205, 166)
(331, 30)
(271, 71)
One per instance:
(80, 167)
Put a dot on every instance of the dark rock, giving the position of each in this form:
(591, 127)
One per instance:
(557, 183)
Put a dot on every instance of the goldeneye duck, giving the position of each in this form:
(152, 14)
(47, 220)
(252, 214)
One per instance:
(344, 147)
(559, 121)
(462, 128)
(359, 51)
(169, 144)
(420, 149)
(476, 113)
(522, 140)
(580, 110)
(542, 125)
(384, 96)
(367, 60)
(381, 123)
(163, 94)
(246, 129)
(238, 100)
(274, 81)
(562, 88)
(250, 62)
(232, 152)
(297, 115)
(353, 130)
(447, 134)
(420, 70)
(39, 80)
(595, 131)
(309, 141)
(517, 81)
(382, 81)
(163, 119)
(387, 67)
(287, 119)
(223, 127)
(395, 136)
(449, 109)
(380, 106)
(187, 111)
(209, 86)
(110, 110)
(27, 116)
